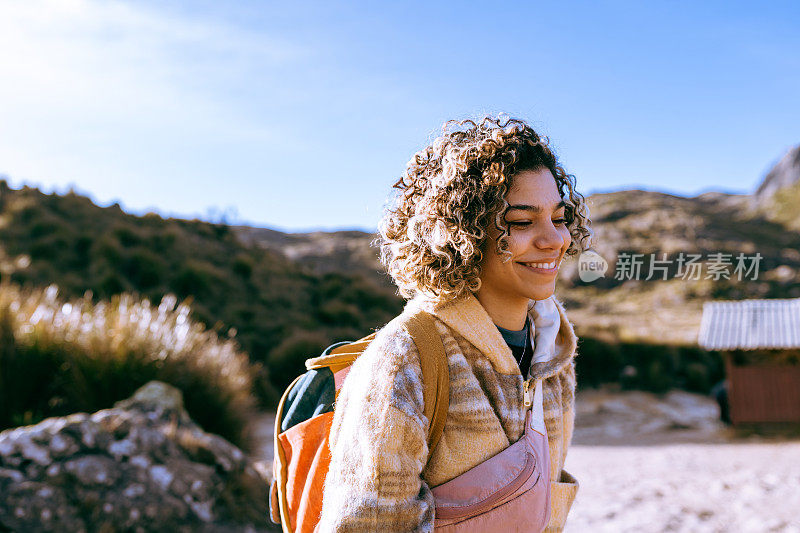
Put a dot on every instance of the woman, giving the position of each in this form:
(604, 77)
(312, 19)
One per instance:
(481, 221)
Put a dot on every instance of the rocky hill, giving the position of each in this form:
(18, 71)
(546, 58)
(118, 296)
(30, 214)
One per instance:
(637, 222)
(778, 195)
(784, 174)
(288, 294)
(279, 308)
(640, 222)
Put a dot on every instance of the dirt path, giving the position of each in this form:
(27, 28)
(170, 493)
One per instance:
(263, 427)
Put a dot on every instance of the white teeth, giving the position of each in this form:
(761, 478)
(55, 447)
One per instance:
(546, 266)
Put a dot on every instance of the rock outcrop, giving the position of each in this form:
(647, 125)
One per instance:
(785, 173)
(142, 465)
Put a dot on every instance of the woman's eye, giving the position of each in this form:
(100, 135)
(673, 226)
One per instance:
(519, 224)
(560, 221)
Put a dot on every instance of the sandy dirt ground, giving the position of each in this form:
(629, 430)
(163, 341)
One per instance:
(648, 463)
(686, 488)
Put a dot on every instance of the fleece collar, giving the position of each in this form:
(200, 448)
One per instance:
(552, 335)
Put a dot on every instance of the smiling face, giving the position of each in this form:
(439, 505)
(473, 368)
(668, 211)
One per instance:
(538, 239)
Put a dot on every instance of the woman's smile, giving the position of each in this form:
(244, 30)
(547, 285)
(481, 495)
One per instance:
(549, 269)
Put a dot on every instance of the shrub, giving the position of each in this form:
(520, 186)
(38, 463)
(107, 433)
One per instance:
(697, 377)
(597, 362)
(60, 357)
(339, 313)
(194, 279)
(287, 360)
(652, 367)
(243, 266)
(144, 268)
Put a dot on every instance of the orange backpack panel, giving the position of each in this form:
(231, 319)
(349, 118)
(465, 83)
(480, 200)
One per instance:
(305, 413)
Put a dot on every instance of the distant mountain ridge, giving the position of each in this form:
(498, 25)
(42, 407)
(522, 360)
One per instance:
(286, 293)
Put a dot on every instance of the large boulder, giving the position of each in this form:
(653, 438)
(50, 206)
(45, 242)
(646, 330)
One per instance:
(142, 465)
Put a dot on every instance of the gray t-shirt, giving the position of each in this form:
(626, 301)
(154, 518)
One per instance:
(520, 344)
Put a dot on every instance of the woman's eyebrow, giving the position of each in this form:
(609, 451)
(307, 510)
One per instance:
(536, 208)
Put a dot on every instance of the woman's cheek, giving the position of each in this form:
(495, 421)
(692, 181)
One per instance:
(517, 242)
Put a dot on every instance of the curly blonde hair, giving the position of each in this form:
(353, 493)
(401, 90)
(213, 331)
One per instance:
(432, 233)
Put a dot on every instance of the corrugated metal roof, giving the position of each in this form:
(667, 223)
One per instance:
(750, 324)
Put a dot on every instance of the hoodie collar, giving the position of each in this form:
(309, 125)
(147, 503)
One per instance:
(552, 335)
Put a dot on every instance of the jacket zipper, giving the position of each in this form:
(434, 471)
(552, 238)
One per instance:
(526, 392)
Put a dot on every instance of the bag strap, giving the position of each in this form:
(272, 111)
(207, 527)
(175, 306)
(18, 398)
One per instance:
(435, 373)
(433, 362)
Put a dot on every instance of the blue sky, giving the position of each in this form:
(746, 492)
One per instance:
(301, 115)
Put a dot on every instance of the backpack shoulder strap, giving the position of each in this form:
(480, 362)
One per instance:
(435, 373)
(433, 362)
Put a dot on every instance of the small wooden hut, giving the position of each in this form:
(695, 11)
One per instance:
(760, 342)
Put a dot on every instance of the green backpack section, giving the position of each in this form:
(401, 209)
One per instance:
(305, 413)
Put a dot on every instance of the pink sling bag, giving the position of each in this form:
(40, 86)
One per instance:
(508, 492)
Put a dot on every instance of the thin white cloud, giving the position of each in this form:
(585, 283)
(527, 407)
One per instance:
(82, 78)
(114, 61)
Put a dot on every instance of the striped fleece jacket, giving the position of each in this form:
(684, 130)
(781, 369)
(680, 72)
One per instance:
(380, 476)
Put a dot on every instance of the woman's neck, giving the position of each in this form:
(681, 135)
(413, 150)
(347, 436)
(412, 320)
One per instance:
(504, 313)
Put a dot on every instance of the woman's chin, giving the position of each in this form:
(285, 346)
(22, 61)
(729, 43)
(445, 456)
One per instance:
(542, 293)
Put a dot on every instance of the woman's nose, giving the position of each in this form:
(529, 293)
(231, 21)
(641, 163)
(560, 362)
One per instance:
(548, 237)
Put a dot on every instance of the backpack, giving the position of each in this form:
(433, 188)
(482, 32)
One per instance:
(305, 413)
